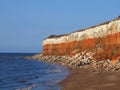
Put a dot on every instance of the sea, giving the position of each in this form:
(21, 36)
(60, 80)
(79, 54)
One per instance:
(19, 73)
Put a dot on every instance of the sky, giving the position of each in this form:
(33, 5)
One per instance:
(25, 23)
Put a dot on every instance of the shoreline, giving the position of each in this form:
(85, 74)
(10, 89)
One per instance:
(90, 75)
(83, 79)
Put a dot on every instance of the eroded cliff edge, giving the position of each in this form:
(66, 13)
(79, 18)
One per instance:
(97, 47)
(102, 39)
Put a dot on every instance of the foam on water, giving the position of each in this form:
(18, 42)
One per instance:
(17, 73)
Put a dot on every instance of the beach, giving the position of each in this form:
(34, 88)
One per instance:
(82, 79)
(94, 75)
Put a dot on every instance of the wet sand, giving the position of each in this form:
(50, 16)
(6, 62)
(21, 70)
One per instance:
(86, 80)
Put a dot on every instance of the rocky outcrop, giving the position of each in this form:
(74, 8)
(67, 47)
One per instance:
(80, 60)
(102, 39)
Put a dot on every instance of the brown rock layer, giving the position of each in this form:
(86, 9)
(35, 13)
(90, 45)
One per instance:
(105, 47)
(103, 40)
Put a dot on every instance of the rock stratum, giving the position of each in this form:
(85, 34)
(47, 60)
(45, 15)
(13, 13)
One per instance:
(102, 39)
(97, 47)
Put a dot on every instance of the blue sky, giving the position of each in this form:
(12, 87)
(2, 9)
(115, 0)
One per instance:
(25, 23)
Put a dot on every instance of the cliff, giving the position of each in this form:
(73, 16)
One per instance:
(103, 40)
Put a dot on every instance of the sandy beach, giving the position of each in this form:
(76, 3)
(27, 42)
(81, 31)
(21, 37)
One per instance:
(101, 75)
(86, 80)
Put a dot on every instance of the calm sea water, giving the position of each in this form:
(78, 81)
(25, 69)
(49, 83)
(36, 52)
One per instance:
(18, 73)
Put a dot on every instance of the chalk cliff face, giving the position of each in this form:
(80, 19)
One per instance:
(102, 39)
